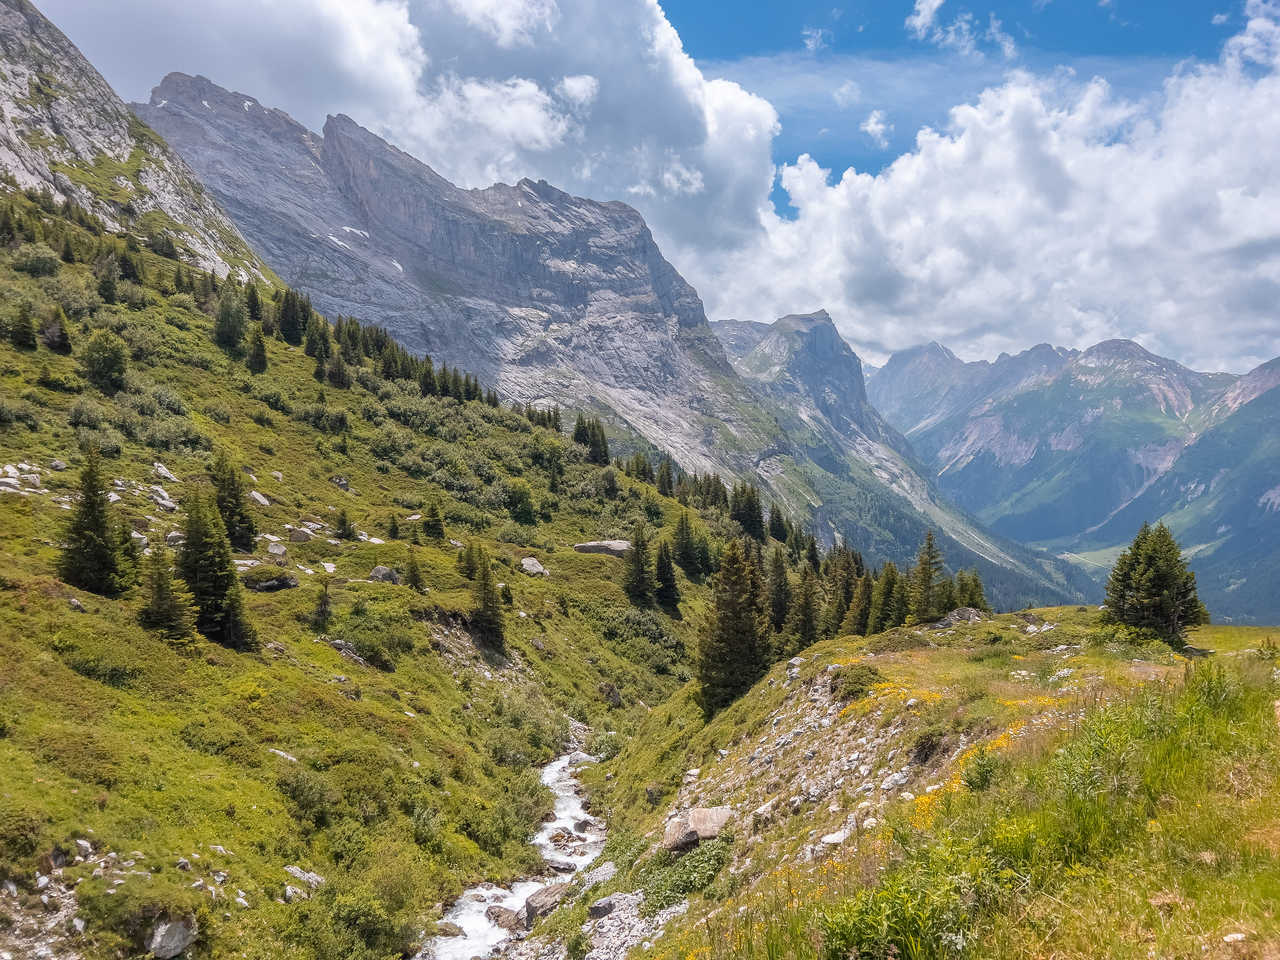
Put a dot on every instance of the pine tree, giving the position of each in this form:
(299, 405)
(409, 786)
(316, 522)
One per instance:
(169, 607)
(880, 615)
(233, 506)
(970, 592)
(486, 611)
(253, 304)
(433, 522)
(777, 524)
(779, 590)
(802, 620)
(256, 361)
(665, 587)
(859, 613)
(344, 529)
(469, 560)
(337, 373)
(204, 562)
(413, 573)
(684, 548)
(730, 656)
(393, 528)
(666, 482)
(322, 612)
(229, 323)
(90, 557)
(1152, 588)
(922, 594)
(637, 580)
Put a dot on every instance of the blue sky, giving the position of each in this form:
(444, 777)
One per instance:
(792, 53)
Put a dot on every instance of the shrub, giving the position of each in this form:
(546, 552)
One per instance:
(105, 361)
(37, 259)
(855, 681)
(667, 879)
(310, 798)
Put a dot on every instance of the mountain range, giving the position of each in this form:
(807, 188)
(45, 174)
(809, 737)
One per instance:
(560, 299)
(1074, 450)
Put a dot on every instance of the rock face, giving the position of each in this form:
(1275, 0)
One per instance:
(170, 936)
(59, 117)
(556, 298)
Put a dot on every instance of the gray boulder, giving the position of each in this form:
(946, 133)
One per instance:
(602, 907)
(544, 901)
(612, 548)
(447, 928)
(170, 936)
(299, 535)
(709, 822)
(532, 567)
(383, 574)
(679, 835)
(503, 918)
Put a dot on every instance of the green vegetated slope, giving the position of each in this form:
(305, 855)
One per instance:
(195, 774)
(1032, 785)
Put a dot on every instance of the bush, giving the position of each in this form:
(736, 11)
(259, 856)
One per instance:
(310, 798)
(667, 879)
(11, 413)
(37, 259)
(105, 361)
(855, 681)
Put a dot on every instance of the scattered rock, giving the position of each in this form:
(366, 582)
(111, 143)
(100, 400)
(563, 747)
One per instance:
(503, 917)
(602, 907)
(958, 616)
(174, 537)
(447, 928)
(312, 880)
(342, 483)
(300, 535)
(532, 567)
(75, 604)
(163, 473)
(57, 465)
(383, 574)
(259, 499)
(614, 548)
(269, 579)
(542, 902)
(601, 874)
(293, 894)
(277, 549)
(170, 936)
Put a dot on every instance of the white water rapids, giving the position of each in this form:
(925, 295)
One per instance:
(480, 936)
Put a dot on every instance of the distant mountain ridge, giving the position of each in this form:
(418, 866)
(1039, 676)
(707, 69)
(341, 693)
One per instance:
(556, 298)
(1073, 450)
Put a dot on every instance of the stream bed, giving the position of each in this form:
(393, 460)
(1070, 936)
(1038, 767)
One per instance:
(559, 841)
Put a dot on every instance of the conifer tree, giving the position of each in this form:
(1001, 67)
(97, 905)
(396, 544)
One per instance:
(233, 506)
(68, 251)
(802, 620)
(90, 557)
(924, 581)
(881, 614)
(344, 529)
(684, 548)
(413, 572)
(779, 590)
(54, 332)
(811, 554)
(730, 656)
(970, 592)
(433, 522)
(393, 528)
(1152, 588)
(337, 373)
(204, 562)
(322, 612)
(256, 360)
(598, 447)
(486, 610)
(900, 608)
(664, 576)
(469, 560)
(169, 606)
(22, 328)
(229, 322)
(637, 579)
(859, 612)
(253, 304)
(666, 481)
(777, 524)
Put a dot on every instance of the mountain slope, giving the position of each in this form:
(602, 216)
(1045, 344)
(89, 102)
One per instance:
(553, 298)
(63, 128)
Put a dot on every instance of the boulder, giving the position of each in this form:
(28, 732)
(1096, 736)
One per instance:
(171, 935)
(163, 472)
(447, 928)
(679, 835)
(561, 866)
(299, 535)
(613, 548)
(312, 880)
(542, 902)
(383, 574)
(602, 907)
(958, 616)
(277, 549)
(174, 537)
(342, 483)
(57, 465)
(709, 822)
(532, 567)
(268, 579)
(259, 499)
(503, 918)
(601, 874)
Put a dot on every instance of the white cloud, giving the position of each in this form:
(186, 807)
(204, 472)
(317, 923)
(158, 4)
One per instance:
(509, 22)
(1220, 18)
(847, 94)
(876, 127)
(815, 38)
(996, 34)
(580, 90)
(923, 15)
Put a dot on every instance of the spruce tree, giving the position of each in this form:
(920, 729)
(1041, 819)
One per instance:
(802, 620)
(433, 522)
(90, 557)
(970, 592)
(169, 606)
(684, 548)
(204, 562)
(777, 524)
(880, 615)
(256, 360)
(469, 560)
(665, 586)
(229, 322)
(779, 590)
(253, 304)
(22, 328)
(1152, 588)
(393, 528)
(413, 573)
(233, 506)
(666, 482)
(859, 613)
(486, 610)
(322, 612)
(730, 656)
(924, 581)
(637, 580)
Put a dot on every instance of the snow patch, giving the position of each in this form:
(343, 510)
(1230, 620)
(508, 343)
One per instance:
(247, 105)
(338, 242)
(206, 104)
(359, 233)
(161, 103)
(396, 264)
(1270, 500)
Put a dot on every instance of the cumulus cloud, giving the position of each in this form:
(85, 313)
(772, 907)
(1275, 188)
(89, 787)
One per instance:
(815, 38)
(877, 128)
(1048, 206)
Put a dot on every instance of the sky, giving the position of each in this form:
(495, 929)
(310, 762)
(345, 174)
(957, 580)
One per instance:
(990, 175)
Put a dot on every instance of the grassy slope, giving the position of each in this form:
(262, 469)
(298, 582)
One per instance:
(409, 784)
(1110, 793)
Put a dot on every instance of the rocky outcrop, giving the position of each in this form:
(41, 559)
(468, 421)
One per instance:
(544, 901)
(63, 128)
(614, 548)
(172, 935)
